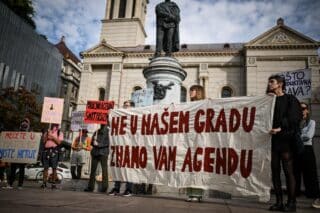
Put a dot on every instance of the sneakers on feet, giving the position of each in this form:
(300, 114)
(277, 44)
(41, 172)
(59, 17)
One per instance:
(88, 190)
(316, 203)
(7, 187)
(54, 186)
(127, 193)
(113, 192)
(43, 186)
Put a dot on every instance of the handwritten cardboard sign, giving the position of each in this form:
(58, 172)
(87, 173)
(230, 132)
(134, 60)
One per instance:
(143, 97)
(77, 122)
(52, 110)
(19, 147)
(97, 111)
(298, 83)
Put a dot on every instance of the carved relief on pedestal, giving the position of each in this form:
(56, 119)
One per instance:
(251, 60)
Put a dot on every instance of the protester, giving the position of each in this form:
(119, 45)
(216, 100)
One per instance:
(52, 139)
(286, 119)
(196, 93)
(24, 127)
(99, 153)
(306, 161)
(80, 145)
(116, 189)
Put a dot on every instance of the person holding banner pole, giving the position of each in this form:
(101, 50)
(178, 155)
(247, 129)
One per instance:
(196, 93)
(116, 189)
(24, 127)
(286, 119)
(52, 138)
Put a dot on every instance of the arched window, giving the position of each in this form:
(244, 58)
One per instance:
(183, 97)
(102, 93)
(226, 92)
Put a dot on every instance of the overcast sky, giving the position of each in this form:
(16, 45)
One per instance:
(202, 21)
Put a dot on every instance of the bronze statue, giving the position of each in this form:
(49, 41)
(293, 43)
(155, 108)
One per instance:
(168, 18)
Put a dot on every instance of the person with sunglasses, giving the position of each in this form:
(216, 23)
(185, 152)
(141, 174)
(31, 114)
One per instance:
(305, 165)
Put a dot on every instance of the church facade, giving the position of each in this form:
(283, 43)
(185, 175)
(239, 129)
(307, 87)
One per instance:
(112, 69)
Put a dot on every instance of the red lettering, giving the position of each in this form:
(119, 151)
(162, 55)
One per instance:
(165, 127)
(208, 161)
(209, 118)
(145, 125)
(197, 163)
(173, 122)
(234, 120)
(133, 124)
(112, 163)
(155, 124)
(123, 125)
(187, 161)
(232, 161)
(221, 122)
(126, 160)
(184, 121)
(199, 125)
(172, 157)
(248, 127)
(221, 162)
(115, 125)
(245, 169)
(143, 157)
(135, 157)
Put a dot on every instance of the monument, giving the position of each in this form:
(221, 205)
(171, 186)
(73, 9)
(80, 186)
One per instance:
(164, 73)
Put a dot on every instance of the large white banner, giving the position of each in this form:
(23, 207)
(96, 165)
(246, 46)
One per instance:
(19, 147)
(221, 144)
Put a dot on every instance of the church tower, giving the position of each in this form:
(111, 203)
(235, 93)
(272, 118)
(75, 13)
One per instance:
(124, 22)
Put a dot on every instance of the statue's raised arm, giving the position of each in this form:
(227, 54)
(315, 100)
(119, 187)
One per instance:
(168, 19)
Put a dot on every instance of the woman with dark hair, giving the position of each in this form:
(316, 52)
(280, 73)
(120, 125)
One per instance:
(306, 161)
(286, 119)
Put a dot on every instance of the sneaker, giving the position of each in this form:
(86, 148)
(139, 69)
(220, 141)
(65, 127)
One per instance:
(113, 192)
(43, 186)
(316, 203)
(127, 193)
(88, 190)
(7, 187)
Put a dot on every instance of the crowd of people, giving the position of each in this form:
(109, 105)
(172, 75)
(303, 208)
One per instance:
(292, 134)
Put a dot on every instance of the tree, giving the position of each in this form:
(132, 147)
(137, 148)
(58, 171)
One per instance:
(16, 105)
(22, 8)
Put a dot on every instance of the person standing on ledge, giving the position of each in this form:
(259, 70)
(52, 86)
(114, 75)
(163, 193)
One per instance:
(168, 18)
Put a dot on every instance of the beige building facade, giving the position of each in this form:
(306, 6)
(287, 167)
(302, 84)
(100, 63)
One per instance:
(112, 69)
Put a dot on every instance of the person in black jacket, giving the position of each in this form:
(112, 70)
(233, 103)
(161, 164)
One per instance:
(286, 120)
(99, 153)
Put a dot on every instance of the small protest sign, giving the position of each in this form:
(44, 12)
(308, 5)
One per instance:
(143, 97)
(298, 83)
(77, 122)
(19, 147)
(52, 110)
(97, 111)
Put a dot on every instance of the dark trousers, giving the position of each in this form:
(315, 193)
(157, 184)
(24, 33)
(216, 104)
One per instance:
(117, 185)
(164, 35)
(76, 172)
(104, 166)
(286, 158)
(305, 166)
(13, 171)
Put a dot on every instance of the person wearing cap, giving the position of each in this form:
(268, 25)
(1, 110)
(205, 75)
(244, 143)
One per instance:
(24, 127)
(50, 157)
(80, 145)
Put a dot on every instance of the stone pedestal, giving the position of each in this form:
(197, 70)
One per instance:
(164, 75)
